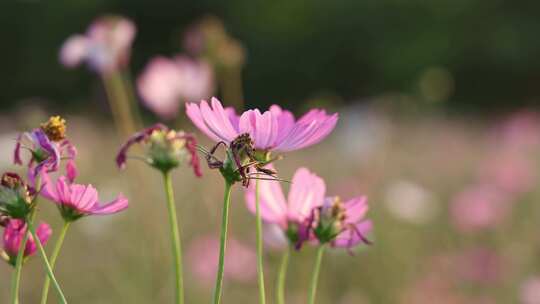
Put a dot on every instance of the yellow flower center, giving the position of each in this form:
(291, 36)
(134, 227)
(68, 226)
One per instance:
(55, 128)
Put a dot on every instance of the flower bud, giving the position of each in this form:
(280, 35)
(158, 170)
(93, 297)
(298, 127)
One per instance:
(15, 198)
(329, 220)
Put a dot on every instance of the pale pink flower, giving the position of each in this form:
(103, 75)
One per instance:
(479, 207)
(167, 83)
(306, 208)
(14, 233)
(306, 193)
(240, 260)
(75, 200)
(480, 265)
(105, 47)
(530, 291)
(273, 130)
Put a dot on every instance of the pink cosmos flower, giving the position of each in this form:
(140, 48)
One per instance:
(479, 207)
(306, 193)
(305, 210)
(75, 200)
(166, 83)
(275, 129)
(240, 260)
(14, 233)
(105, 47)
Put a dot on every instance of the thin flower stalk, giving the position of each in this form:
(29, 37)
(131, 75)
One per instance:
(119, 102)
(315, 275)
(175, 239)
(54, 256)
(260, 265)
(47, 265)
(223, 242)
(282, 275)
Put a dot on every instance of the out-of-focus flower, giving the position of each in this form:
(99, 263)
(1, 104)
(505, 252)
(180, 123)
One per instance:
(240, 260)
(105, 47)
(166, 149)
(273, 130)
(13, 235)
(208, 38)
(519, 131)
(47, 145)
(291, 215)
(411, 202)
(75, 200)
(274, 237)
(480, 265)
(479, 207)
(530, 291)
(166, 83)
(510, 172)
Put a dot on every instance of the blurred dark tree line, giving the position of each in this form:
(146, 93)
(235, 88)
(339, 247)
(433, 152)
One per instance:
(488, 51)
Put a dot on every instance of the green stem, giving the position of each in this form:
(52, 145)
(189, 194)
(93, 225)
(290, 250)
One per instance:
(46, 263)
(175, 239)
(16, 279)
(315, 277)
(260, 271)
(222, 243)
(280, 290)
(54, 256)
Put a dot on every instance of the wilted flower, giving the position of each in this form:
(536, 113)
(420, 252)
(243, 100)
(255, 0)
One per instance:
(15, 196)
(14, 234)
(479, 207)
(165, 148)
(105, 47)
(240, 260)
(306, 193)
(75, 200)
(166, 83)
(47, 145)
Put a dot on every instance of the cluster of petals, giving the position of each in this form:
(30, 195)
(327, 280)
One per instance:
(273, 130)
(37, 141)
(79, 200)
(306, 195)
(14, 234)
(104, 47)
(166, 83)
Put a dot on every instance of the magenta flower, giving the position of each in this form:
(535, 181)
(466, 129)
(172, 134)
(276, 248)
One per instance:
(47, 146)
(274, 130)
(13, 235)
(105, 47)
(307, 215)
(166, 83)
(75, 200)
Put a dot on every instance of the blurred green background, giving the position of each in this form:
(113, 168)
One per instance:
(300, 50)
